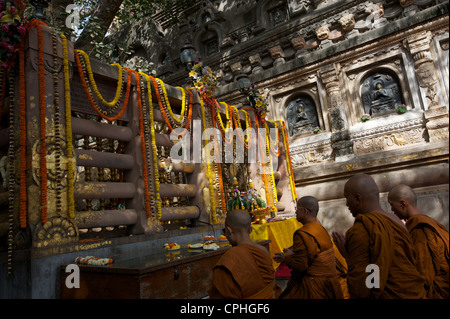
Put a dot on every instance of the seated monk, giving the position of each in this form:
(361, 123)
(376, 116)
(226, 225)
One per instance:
(380, 239)
(245, 271)
(311, 258)
(430, 239)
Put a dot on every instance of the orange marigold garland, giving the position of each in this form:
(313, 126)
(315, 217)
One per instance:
(154, 148)
(161, 107)
(141, 132)
(43, 131)
(91, 100)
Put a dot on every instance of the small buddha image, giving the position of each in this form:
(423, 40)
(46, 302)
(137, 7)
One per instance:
(301, 116)
(380, 94)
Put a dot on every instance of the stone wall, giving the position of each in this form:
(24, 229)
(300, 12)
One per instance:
(330, 54)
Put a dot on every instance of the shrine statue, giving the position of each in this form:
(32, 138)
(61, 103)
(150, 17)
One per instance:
(301, 116)
(380, 94)
(382, 100)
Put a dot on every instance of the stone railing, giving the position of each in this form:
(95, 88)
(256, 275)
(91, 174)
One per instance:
(118, 180)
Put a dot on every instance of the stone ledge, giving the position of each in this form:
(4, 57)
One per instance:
(375, 162)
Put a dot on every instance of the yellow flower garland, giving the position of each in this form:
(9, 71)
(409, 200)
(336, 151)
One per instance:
(209, 173)
(247, 139)
(288, 160)
(272, 177)
(275, 152)
(70, 175)
(227, 113)
(94, 85)
(166, 98)
(154, 148)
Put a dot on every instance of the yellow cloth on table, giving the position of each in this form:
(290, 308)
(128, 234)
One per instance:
(280, 233)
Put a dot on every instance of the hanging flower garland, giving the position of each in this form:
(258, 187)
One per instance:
(81, 72)
(56, 117)
(22, 142)
(146, 133)
(275, 152)
(288, 160)
(218, 119)
(179, 120)
(154, 148)
(11, 173)
(170, 124)
(113, 103)
(143, 144)
(3, 89)
(237, 123)
(270, 169)
(208, 166)
(42, 117)
(263, 152)
(68, 114)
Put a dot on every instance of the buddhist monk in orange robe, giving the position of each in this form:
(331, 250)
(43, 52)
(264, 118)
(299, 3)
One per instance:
(311, 258)
(341, 271)
(379, 251)
(430, 239)
(245, 271)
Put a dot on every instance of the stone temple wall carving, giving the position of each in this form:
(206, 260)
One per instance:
(350, 58)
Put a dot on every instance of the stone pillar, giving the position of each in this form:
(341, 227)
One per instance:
(340, 135)
(437, 120)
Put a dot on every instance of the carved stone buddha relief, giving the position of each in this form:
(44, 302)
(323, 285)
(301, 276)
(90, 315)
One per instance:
(381, 94)
(301, 115)
(277, 11)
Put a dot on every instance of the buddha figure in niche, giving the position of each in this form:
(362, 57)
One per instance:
(380, 94)
(301, 116)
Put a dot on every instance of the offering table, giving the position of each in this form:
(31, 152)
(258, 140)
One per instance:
(279, 233)
(185, 273)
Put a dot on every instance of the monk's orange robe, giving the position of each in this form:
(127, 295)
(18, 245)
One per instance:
(244, 272)
(313, 265)
(376, 239)
(341, 269)
(431, 241)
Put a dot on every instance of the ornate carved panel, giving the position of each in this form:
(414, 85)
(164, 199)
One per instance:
(388, 141)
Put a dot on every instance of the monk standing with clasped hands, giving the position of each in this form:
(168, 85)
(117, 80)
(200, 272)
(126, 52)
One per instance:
(377, 240)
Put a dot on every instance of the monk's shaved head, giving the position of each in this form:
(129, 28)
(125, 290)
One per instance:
(364, 185)
(310, 203)
(362, 195)
(238, 220)
(403, 192)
